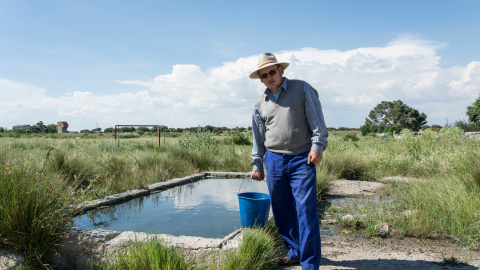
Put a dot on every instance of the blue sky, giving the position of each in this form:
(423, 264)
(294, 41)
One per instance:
(186, 63)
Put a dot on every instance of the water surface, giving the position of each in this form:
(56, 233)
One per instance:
(208, 208)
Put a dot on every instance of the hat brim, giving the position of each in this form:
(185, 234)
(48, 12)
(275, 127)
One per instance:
(255, 75)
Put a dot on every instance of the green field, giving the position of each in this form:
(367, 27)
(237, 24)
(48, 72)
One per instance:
(41, 175)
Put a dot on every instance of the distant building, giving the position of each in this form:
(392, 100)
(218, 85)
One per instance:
(21, 127)
(62, 127)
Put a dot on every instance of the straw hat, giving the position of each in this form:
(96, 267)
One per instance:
(266, 60)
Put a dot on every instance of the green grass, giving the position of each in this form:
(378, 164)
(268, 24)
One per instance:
(258, 251)
(444, 205)
(33, 209)
(151, 254)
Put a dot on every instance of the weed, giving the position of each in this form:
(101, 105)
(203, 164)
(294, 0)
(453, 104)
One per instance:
(33, 208)
(258, 251)
(150, 254)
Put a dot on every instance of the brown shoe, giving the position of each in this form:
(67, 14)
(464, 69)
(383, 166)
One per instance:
(287, 261)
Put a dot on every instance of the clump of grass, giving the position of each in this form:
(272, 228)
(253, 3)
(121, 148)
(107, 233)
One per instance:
(258, 251)
(324, 183)
(201, 139)
(235, 159)
(33, 210)
(452, 261)
(72, 168)
(346, 166)
(437, 207)
(150, 254)
(237, 138)
(445, 207)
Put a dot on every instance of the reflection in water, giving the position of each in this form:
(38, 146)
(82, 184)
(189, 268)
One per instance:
(207, 208)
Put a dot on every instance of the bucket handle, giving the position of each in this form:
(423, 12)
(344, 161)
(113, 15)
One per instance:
(239, 188)
(243, 182)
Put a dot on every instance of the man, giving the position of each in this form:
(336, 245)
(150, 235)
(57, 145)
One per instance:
(289, 137)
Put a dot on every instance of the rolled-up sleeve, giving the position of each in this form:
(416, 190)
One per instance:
(314, 114)
(258, 149)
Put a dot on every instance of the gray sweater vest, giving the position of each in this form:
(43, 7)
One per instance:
(287, 129)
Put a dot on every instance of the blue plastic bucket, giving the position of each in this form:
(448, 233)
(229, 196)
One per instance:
(254, 209)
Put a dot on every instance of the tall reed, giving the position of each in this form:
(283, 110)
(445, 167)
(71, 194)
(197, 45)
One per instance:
(33, 209)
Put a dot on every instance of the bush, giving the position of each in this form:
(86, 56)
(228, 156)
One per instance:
(258, 251)
(467, 127)
(151, 254)
(199, 140)
(128, 135)
(240, 139)
(393, 129)
(351, 137)
(33, 209)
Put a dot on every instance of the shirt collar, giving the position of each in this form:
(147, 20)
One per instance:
(282, 87)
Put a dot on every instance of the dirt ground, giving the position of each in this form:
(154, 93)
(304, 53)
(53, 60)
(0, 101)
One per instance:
(346, 251)
(390, 253)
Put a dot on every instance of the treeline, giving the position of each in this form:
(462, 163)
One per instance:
(392, 116)
(39, 127)
(166, 129)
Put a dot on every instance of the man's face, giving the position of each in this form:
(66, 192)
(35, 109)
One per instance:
(274, 81)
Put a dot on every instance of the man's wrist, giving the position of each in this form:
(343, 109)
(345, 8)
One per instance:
(317, 148)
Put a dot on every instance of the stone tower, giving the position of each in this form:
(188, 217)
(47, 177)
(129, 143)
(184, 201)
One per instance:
(62, 127)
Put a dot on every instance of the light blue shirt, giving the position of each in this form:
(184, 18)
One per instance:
(313, 113)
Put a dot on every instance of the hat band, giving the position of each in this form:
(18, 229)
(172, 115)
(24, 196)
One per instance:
(263, 64)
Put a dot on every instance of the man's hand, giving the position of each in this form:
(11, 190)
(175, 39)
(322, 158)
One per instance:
(314, 157)
(259, 176)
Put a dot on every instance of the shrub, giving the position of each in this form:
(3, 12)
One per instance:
(33, 210)
(258, 251)
(239, 138)
(128, 135)
(199, 140)
(151, 254)
(352, 137)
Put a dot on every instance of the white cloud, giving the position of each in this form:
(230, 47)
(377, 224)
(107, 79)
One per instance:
(350, 83)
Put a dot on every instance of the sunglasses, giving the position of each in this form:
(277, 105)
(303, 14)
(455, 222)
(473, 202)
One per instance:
(271, 73)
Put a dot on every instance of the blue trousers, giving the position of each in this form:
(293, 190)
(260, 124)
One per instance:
(292, 184)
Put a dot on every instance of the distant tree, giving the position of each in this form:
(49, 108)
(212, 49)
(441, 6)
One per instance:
(95, 130)
(467, 127)
(143, 129)
(2, 129)
(39, 127)
(393, 129)
(370, 127)
(162, 129)
(127, 129)
(209, 128)
(424, 127)
(389, 113)
(52, 128)
(109, 130)
(436, 127)
(85, 131)
(473, 112)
